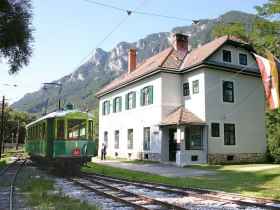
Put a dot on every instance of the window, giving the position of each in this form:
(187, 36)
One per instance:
(106, 138)
(117, 139)
(228, 92)
(130, 139)
(194, 137)
(146, 96)
(76, 129)
(90, 125)
(117, 104)
(195, 86)
(106, 108)
(229, 134)
(226, 56)
(130, 100)
(194, 158)
(146, 141)
(242, 59)
(60, 129)
(44, 130)
(215, 129)
(186, 89)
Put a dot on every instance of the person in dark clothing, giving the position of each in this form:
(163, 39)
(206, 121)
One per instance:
(103, 152)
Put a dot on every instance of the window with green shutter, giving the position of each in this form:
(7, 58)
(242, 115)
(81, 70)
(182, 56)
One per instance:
(130, 100)
(146, 96)
(117, 104)
(106, 108)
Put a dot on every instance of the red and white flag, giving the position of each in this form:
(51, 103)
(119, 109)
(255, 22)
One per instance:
(270, 71)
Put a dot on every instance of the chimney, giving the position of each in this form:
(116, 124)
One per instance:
(131, 60)
(180, 42)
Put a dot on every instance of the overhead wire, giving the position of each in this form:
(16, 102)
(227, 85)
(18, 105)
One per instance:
(110, 33)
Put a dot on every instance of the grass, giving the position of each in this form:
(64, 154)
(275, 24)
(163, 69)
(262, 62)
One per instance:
(230, 178)
(42, 199)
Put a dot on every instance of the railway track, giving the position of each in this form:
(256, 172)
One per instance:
(7, 180)
(191, 198)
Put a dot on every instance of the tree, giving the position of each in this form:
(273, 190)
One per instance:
(16, 33)
(95, 130)
(263, 35)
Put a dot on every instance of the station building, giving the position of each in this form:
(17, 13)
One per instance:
(201, 106)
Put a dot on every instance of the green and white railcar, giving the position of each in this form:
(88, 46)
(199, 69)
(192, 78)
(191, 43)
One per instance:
(62, 139)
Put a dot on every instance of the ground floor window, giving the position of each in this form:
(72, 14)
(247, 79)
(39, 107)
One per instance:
(146, 139)
(130, 139)
(229, 134)
(117, 138)
(194, 137)
(106, 138)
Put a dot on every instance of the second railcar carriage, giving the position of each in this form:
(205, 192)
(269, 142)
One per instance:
(61, 139)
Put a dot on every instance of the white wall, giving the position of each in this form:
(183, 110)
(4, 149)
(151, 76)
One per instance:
(136, 119)
(195, 102)
(247, 112)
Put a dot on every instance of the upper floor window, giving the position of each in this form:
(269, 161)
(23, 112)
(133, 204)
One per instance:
(228, 91)
(106, 107)
(215, 129)
(242, 59)
(117, 104)
(186, 89)
(195, 86)
(130, 100)
(229, 134)
(226, 55)
(146, 96)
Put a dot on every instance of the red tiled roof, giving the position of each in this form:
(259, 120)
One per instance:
(170, 59)
(182, 116)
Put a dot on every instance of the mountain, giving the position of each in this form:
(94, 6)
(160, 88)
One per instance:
(80, 87)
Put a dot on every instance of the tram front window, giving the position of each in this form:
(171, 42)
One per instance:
(76, 129)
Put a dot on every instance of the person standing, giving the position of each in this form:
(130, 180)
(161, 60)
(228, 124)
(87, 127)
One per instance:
(103, 152)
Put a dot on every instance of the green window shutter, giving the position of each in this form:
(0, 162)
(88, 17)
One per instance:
(141, 97)
(114, 105)
(103, 108)
(108, 108)
(120, 104)
(151, 94)
(133, 99)
(126, 102)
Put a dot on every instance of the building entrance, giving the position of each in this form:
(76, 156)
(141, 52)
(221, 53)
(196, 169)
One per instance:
(172, 144)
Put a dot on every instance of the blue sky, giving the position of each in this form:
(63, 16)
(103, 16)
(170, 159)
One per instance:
(66, 32)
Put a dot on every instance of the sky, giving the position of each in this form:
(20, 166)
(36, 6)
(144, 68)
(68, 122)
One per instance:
(67, 32)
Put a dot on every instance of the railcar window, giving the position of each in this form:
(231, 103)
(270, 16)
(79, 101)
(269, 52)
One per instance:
(76, 129)
(60, 129)
(90, 129)
(44, 130)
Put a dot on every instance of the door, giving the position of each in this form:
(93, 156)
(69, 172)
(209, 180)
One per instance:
(172, 144)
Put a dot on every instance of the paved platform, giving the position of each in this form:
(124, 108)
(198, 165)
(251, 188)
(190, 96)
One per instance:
(155, 168)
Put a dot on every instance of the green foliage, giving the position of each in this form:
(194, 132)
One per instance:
(14, 119)
(95, 130)
(42, 199)
(16, 33)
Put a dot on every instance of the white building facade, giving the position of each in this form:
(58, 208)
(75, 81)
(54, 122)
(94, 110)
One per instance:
(203, 106)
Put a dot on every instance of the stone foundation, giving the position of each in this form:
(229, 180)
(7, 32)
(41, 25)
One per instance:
(220, 158)
(151, 157)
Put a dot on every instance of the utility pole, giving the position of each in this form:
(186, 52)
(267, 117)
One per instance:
(2, 126)
(17, 136)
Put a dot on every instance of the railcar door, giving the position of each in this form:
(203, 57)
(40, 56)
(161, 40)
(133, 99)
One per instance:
(50, 137)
